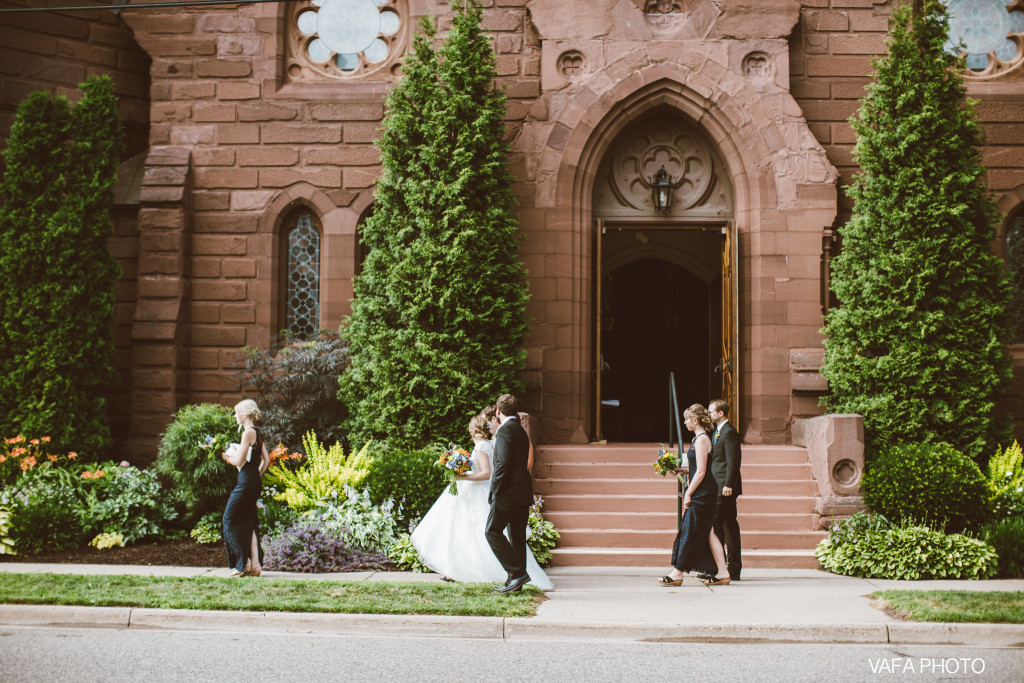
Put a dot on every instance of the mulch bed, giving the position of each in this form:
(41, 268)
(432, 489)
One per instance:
(183, 552)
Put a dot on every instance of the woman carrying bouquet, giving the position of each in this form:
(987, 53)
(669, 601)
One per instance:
(241, 532)
(450, 537)
(696, 547)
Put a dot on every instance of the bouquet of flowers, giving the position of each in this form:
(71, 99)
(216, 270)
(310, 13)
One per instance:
(214, 445)
(455, 462)
(667, 462)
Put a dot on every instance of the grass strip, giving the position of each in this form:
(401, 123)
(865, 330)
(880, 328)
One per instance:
(268, 595)
(961, 607)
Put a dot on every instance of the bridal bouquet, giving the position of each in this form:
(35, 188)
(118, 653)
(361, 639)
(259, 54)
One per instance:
(214, 445)
(667, 462)
(455, 462)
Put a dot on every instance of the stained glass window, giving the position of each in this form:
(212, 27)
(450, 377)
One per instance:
(345, 38)
(992, 32)
(302, 298)
(1015, 264)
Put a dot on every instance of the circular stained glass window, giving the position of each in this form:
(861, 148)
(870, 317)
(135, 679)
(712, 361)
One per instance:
(347, 37)
(990, 32)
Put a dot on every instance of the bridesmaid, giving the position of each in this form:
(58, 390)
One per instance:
(241, 532)
(696, 547)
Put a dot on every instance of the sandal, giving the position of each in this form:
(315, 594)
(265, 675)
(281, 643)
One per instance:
(253, 572)
(448, 579)
(719, 582)
(669, 581)
(236, 574)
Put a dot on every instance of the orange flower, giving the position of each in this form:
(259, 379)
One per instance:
(34, 442)
(18, 452)
(45, 439)
(52, 458)
(19, 438)
(11, 439)
(28, 463)
(72, 455)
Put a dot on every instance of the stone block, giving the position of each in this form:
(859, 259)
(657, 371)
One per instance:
(228, 178)
(320, 176)
(204, 359)
(237, 45)
(238, 313)
(207, 200)
(251, 200)
(301, 133)
(216, 381)
(826, 21)
(345, 155)
(233, 90)
(836, 448)
(360, 178)
(219, 245)
(827, 65)
(361, 132)
(265, 111)
(267, 156)
(186, 47)
(238, 134)
(347, 111)
(218, 290)
(190, 136)
(154, 287)
(205, 267)
(216, 113)
(858, 43)
(214, 156)
(223, 68)
(161, 195)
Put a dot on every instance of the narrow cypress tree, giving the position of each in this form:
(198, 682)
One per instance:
(917, 345)
(57, 274)
(438, 319)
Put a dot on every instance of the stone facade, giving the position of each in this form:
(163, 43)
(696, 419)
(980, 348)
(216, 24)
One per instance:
(240, 137)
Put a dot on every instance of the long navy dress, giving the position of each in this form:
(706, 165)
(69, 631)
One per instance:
(691, 551)
(240, 520)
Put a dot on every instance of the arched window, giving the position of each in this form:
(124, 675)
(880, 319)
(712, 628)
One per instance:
(301, 271)
(1015, 265)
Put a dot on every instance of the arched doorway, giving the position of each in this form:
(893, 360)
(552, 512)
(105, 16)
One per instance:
(663, 298)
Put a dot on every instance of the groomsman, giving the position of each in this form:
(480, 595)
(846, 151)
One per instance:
(726, 457)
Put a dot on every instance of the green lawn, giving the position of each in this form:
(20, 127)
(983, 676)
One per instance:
(268, 595)
(977, 607)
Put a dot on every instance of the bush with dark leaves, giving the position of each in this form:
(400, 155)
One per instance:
(308, 547)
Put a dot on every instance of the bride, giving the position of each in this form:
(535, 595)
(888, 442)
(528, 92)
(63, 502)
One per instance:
(450, 537)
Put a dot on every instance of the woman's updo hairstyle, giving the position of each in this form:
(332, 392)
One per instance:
(478, 427)
(700, 414)
(249, 408)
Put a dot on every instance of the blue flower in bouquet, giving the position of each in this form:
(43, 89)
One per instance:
(455, 462)
(214, 445)
(668, 461)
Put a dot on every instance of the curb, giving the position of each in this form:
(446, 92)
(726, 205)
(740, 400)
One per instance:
(507, 628)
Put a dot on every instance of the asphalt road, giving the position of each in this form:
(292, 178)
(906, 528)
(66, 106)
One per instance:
(81, 654)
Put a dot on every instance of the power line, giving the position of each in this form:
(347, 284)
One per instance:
(119, 8)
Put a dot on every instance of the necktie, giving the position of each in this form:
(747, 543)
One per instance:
(714, 439)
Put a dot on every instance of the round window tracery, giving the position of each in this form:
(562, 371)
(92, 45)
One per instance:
(331, 39)
(992, 32)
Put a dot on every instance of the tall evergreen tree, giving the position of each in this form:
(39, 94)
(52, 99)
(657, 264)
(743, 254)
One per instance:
(438, 319)
(917, 345)
(57, 274)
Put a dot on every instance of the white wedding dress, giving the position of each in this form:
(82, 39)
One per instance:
(450, 537)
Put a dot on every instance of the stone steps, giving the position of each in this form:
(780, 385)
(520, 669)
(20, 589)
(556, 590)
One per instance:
(613, 509)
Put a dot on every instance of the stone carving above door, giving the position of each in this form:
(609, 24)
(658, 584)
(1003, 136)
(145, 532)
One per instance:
(701, 188)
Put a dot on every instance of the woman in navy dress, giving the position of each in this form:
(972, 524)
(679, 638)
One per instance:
(696, 548)
(241, 530)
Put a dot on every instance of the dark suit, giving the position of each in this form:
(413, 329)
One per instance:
(726, 457)
(511, 496)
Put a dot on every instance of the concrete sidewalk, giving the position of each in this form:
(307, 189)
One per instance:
(618, 603)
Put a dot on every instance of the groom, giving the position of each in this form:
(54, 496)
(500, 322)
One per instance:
(511, 495)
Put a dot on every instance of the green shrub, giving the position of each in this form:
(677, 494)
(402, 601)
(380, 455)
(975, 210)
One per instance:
(6, 542)
(201, 480)
(1006, 477)
(208, 528)
(363, 524)
(323, 472)
(930, 484)
(57, 273)
(408, 477)
(127, 501)
(1007, 537)
(403, 553)
(274, 515)
(296, 385)
(918, 343)
(47, 511)
(871, 547)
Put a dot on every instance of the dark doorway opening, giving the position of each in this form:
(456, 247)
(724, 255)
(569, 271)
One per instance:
(657, 317)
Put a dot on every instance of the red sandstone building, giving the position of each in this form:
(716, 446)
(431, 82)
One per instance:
(251, 164)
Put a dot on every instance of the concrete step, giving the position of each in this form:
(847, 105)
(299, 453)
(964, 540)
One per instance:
(666, 486)
(666, 518)
(647, 453)
(653, 538)
(610, 503)
(659, 557)
(628, 470)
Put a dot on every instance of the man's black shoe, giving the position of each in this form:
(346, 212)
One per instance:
(515, 584)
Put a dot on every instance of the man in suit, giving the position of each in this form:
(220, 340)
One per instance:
(511, 495)
(726, 457)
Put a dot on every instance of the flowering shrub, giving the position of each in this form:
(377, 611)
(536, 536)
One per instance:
(1006, 477)
(126, 501)
(872, 547)
(207, 529)
(280, 455)
(325, 471)
(47, 512)
(543, 536)
(366, 526)
(104, 541)
(308, 546)
(19, 454)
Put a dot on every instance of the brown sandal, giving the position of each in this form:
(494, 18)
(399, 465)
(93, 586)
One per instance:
(669, 581)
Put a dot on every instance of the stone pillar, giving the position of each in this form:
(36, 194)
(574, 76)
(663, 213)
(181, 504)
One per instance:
(160, 329)
(836, 448)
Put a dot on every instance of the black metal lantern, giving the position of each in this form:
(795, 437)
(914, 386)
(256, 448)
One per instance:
(662, 188)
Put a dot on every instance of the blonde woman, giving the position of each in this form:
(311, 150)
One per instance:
(696, 547)
(241, 530)
(450, 538)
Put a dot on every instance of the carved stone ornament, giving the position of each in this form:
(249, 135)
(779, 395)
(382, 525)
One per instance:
(758, 66)
(628, 170)
(571, 64)
(345, 39)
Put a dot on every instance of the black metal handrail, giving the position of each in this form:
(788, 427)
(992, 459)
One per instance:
(675, 435)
